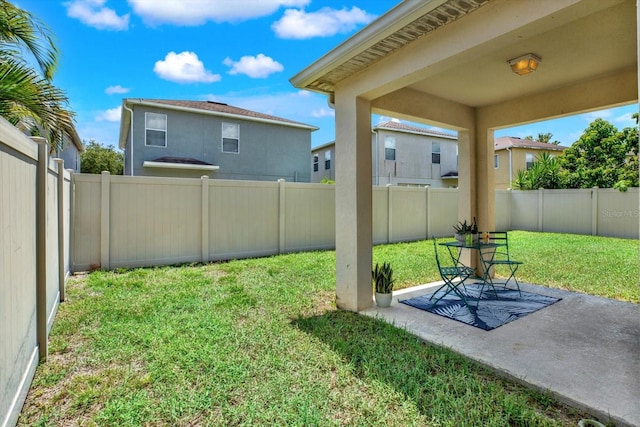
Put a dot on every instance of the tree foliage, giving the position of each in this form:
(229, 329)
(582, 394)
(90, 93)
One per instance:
(97, 158)
(27, 94)
(602, 157)
(543, 137)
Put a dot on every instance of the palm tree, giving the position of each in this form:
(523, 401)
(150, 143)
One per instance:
(26, 94)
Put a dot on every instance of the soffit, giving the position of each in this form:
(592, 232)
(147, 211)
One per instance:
(447, 12)
(584, 40)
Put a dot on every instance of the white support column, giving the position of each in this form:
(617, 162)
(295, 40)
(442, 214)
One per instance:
(354, 235)
(466, 185)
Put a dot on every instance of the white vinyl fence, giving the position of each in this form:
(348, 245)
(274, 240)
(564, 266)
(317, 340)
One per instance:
(142, 221)
(34, 259)
(53, 222)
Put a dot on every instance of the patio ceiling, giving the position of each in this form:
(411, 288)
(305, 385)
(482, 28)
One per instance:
(583, 40)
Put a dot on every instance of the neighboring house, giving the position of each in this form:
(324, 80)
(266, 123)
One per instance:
(512, 154)
(71, 147)
(70, 153)
(174, 138)
(403, 155)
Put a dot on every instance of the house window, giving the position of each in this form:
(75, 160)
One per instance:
(230, 138)
(316, 159)
(389, 148)
(529, 160)
(435, 153)
(327, 159)
(155, 129)
(496, 161)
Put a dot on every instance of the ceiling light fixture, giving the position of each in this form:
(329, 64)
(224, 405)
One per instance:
(524, 64)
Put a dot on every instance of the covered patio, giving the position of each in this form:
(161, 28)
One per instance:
(583, 350)
(446, 63)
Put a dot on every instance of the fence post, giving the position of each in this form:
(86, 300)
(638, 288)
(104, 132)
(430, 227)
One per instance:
(72, 210)
(594, 211)
(205, 218)
(389, 213)
(105, 220)
(428, 196)
(540, 209)
(60, 164)
(509, 208)
(281, 215)
(41, 246)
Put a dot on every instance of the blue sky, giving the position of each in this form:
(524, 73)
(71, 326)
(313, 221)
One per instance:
(241, 52)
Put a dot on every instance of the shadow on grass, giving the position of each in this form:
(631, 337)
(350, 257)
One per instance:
(443, 385)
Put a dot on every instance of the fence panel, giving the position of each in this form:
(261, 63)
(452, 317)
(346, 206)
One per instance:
(309, 217)
(86, 222)
(617, 213)
(18, 351)
(31, 261)
(380, 215)
(503, 210)
(153, 221)
(524, 210)
(52, 244)
(408, 214)
(567, 211)
(244, 219)
(443, 211)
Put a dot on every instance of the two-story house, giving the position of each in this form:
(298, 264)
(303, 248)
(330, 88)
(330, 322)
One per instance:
(174, 138)
(512, 154)
(401, 155)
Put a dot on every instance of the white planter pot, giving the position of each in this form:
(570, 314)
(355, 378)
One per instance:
(383, 300)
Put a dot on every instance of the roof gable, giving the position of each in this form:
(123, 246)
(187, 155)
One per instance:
(505, 142)
(401, 127)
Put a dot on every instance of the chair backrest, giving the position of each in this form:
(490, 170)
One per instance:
(501, 238)
(435, 249)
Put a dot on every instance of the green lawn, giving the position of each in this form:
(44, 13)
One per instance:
(260, 342)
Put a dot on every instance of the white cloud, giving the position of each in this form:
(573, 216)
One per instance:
(110, 115)
(257, 67)
(197, 12)
(184, 67)
(323, 112)
(94, 14)
(602, 114)
(111, 90)
(298, 24)
(625, 119)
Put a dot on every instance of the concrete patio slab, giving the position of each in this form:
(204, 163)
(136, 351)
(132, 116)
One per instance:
(584, 350)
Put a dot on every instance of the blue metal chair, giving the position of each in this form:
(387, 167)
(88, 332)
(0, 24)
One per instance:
(500, 256)
(453, 277)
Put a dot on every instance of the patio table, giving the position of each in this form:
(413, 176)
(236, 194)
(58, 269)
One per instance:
(485, 251)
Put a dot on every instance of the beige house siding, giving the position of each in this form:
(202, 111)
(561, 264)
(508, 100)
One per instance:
(512, 153)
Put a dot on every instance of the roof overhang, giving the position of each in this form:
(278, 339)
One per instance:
(458, 51)
(189, 166)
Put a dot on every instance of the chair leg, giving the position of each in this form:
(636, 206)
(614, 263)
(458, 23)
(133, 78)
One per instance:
(513, 268)
(451, 287)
